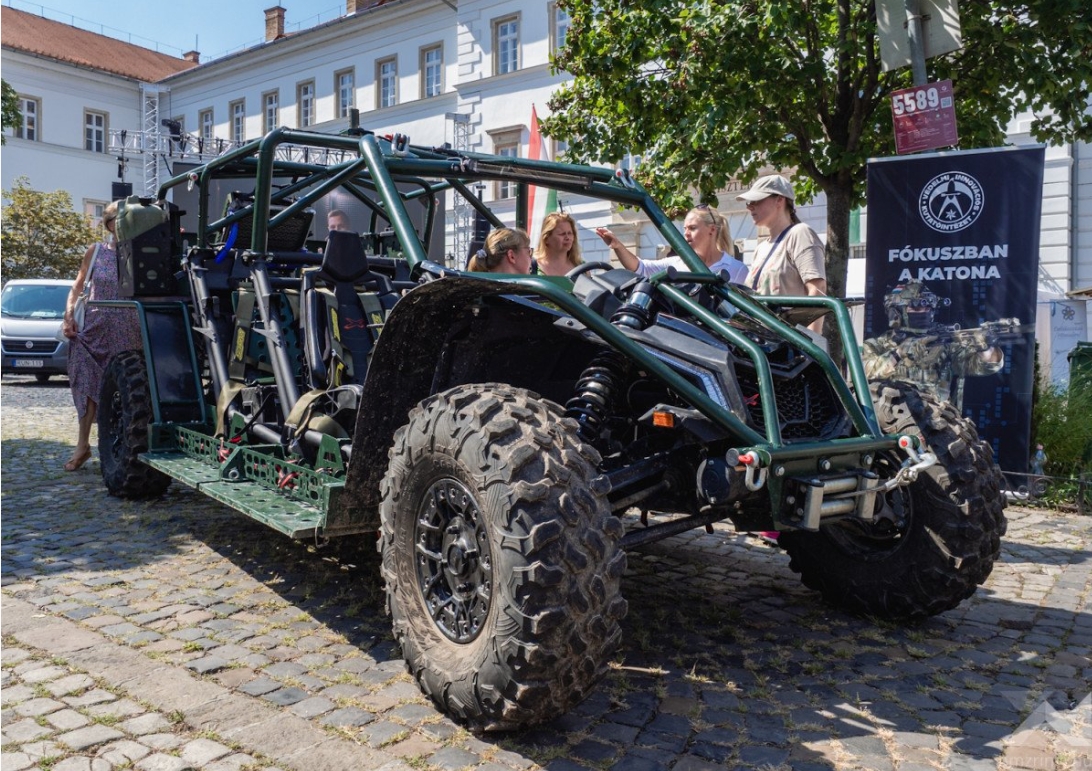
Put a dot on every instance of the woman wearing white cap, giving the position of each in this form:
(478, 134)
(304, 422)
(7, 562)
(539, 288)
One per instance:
(705, 229)
(791, 261)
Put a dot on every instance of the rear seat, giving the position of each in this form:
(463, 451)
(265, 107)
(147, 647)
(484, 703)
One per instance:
(344, 305)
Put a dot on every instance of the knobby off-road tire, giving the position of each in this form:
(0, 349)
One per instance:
(948, 526)
(124, 412)
(500, 556)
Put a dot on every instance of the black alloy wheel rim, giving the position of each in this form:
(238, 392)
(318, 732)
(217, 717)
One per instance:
(454, 561)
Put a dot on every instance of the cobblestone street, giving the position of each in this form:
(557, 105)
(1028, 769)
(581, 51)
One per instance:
(178, 634)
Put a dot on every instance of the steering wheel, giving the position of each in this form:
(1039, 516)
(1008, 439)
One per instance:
(584, 267)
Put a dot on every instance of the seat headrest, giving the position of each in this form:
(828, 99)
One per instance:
(344, 258)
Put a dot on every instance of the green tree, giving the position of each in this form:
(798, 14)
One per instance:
(12, 117)
(41, 236)
(709, 89)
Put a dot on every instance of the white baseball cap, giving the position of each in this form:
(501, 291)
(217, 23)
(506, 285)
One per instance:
(764, 187)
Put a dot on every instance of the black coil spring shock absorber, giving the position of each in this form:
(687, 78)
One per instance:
(608, 371)
(595, 392)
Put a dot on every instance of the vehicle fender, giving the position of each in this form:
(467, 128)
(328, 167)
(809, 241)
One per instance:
(402, 372)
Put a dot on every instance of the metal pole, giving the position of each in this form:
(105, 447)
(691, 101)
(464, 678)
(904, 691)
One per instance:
(916, 36)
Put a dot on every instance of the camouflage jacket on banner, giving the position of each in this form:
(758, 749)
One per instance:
(929, 361)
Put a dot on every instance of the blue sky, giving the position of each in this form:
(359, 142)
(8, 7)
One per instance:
(213, 27)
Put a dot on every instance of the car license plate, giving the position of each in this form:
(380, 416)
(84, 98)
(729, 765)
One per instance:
(30, 363)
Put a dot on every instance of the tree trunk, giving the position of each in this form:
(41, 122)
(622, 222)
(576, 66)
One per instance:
(837, 257)
(838, 198)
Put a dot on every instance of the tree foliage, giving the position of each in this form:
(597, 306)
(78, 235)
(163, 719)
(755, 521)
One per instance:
(42, 237)
(12, 117)
(710, 89)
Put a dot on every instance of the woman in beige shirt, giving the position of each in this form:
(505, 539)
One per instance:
(791, 262)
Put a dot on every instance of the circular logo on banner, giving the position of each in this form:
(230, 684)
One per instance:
(951, 201)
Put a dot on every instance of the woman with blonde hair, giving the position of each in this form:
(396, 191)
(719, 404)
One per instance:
(558, 250)
(507, 250)
(705, 229)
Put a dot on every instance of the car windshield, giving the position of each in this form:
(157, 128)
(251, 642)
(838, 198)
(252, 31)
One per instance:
(34, 301)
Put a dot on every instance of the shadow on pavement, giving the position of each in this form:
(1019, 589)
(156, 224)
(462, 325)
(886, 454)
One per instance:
(726, 658)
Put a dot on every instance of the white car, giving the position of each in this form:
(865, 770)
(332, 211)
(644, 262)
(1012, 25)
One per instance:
(31, 313)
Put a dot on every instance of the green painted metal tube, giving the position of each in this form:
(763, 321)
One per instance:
(849, 345)
(399, 217)
(762, 364)
(556, 291)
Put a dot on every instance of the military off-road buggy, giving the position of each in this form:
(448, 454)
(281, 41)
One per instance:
(507, 436)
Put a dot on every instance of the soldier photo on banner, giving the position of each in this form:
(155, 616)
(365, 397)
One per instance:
(952, 262)
(917, 348)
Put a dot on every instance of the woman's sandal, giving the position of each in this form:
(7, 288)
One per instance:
(77, 461)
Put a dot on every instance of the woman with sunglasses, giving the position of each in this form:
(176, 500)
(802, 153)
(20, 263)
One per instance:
(705, 229)
(105, 333)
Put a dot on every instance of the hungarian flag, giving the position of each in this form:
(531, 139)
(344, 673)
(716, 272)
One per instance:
(540, 201)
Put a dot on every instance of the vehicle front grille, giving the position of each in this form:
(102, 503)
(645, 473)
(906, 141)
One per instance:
(807, 406)
(20, 347)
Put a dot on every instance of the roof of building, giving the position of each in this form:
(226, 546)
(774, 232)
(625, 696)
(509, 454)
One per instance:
(33, 34)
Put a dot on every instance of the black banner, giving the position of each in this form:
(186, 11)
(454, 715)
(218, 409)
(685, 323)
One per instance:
(951, 281)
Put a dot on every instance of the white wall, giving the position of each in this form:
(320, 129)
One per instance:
(58, 161)
(492, 102)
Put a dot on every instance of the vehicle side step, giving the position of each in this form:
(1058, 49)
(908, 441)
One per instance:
(294, 518)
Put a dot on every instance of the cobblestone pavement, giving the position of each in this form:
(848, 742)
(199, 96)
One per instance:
(177, 634)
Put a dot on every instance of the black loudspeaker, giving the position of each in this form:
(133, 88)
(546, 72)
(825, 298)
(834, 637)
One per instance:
(119, 190)
(146, 264)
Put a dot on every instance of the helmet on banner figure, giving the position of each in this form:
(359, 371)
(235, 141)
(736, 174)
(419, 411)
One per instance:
(911, 306)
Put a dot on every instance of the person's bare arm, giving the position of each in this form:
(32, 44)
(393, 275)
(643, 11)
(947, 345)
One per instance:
(68, 326)
(817, 287)
(628, 259)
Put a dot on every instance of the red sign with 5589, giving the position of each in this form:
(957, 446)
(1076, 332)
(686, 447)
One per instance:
(924, 117)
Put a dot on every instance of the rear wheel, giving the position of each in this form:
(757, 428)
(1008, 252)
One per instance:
(933, 541)
(124, 415)
(500, 556)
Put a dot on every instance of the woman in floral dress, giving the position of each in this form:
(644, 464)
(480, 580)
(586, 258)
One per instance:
(106, 332)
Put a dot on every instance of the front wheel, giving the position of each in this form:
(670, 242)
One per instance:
(933, 541)
(125, 412)
(500, 556)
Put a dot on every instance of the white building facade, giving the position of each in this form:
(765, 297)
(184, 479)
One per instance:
(464, 72)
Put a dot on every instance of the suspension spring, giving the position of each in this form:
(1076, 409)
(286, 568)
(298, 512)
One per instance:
(595, 393)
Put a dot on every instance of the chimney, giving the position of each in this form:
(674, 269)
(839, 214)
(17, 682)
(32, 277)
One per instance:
(274, 23)
(192, 56)
(352, 6)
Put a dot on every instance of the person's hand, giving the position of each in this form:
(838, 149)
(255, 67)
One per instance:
(608, 237)
(68, 326)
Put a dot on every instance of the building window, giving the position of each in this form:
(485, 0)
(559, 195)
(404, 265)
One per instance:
(432, 71)
(506, 144)
(94, 132)
(559, 22)
(205, 119)
(630, 162)
(506, 45)
(305, 104)
(345, 83)
(561, 147)
(270, 105)
(386, 78)
(238, 121)
(94, 210)
(28, 127)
